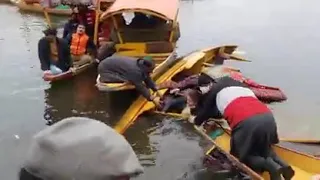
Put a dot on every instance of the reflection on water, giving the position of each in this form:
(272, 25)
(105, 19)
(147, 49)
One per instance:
(80, 97)
(167, 148)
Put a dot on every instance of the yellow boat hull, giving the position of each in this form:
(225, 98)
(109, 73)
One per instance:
(193, 62)
(305, 166)
(37, 8)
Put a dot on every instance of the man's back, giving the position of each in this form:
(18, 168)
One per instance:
(124, 67)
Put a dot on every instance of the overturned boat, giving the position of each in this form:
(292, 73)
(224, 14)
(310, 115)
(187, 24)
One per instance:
(305, 166)
(190, 64)
(143, 28)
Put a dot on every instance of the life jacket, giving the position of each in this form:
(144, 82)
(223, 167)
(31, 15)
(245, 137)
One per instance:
(79, 44)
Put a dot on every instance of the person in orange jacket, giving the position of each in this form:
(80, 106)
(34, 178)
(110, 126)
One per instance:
(82, 47)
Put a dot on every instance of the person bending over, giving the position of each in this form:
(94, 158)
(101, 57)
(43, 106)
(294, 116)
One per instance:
(54, 53)
(118, 69)
(253, 127)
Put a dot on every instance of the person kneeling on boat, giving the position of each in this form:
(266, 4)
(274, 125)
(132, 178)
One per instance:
(119, 69)
(81, 149)
(81, 45)
(54, 53)
(253, 127)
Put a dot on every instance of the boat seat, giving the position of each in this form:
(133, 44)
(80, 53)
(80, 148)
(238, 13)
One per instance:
(145, 35)
(159, 47)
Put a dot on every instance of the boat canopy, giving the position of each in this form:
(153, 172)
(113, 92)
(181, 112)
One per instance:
(165, 9)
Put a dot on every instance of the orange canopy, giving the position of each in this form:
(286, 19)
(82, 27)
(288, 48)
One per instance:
(167, 9)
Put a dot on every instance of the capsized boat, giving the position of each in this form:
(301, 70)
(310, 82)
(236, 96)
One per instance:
(143, 28)
(191, 64)
(36, 7)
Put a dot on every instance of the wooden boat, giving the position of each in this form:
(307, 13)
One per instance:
(192, 63)
(75, 70)
(36, 7)
(305, 166)
(68, 74)
(154, 36)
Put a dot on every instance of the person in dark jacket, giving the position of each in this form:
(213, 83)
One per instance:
(71, 26)
(253, 126)
(118, 69)
(87, 17)
(54, 53)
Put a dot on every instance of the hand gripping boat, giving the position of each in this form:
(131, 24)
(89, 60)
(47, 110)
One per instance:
(143, 28)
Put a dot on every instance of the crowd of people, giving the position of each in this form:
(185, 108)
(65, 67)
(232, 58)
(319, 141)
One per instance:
(62, 151)
(75, 48)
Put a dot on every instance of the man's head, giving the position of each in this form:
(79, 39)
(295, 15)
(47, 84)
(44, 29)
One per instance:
(81, 29)
(80, 148)
(50, 33)
(147, 64)
(82, 9)
(74, 16)
(205, 82)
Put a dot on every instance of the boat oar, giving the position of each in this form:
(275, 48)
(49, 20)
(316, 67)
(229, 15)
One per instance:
(184, 116)
(238, 58)
(235, 160)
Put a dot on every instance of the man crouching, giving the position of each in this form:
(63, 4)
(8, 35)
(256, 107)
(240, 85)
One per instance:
(54, 53)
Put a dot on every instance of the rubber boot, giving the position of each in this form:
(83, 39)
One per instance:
(287, 171)
(273, 168)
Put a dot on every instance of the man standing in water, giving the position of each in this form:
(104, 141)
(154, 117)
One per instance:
(119, 69)
(80, 149)
(54, 53)
(253, 126)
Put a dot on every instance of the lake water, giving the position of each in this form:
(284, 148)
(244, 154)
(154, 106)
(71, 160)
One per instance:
(280, 37)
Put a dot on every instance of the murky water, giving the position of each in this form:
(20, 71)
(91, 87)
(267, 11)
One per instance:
(280, 37)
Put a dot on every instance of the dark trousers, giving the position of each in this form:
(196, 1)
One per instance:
(174, 103)
(254, 137)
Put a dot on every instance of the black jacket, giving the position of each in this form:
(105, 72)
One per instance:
(69, 28)
(207, 106)
(126, 69)
(44, 53)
